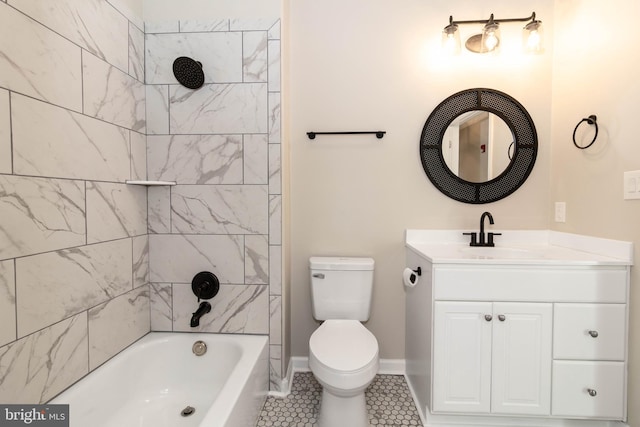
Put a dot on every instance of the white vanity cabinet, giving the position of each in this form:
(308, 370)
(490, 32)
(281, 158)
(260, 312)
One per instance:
(518, 341)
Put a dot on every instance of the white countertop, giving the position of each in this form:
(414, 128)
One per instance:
(519, 247)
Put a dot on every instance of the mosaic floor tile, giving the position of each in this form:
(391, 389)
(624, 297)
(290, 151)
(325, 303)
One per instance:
(389, 404)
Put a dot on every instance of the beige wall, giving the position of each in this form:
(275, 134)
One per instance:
(377, 65)
(596, 66)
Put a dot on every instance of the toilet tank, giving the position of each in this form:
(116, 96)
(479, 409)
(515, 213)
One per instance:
(341, 287)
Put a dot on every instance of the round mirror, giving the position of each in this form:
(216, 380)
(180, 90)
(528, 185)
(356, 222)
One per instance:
(478, 146)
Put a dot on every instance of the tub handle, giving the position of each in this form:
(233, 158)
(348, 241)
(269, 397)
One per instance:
(205, 285)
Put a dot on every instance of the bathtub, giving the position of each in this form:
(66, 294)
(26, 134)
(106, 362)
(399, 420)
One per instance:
(151, 382)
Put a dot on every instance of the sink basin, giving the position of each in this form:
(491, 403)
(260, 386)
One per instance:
(482, 252)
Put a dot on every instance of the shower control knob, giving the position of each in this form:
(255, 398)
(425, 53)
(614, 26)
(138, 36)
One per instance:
(205, 285)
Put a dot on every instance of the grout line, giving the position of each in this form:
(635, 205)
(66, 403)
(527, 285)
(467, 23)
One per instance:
(15, 293)
(131, 177)
(88, 344)
(172, 305)
(129, 47)
(169, 110)
(81, 81)
(242, 65)
(9, 97)
(133, 255)
(86, 216)
(66, 248)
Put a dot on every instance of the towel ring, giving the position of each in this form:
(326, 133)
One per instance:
(592, 120)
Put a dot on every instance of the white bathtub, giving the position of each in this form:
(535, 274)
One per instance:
(152, 381)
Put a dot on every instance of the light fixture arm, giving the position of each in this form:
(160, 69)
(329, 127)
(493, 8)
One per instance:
(491, 20)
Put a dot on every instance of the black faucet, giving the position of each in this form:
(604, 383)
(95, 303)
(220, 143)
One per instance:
(482, 239)
(203, 309)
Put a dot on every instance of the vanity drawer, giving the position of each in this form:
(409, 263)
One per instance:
(588, 389)
(539, 284)
(589, 331)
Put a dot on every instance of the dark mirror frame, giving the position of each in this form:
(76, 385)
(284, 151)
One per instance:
(524, 155)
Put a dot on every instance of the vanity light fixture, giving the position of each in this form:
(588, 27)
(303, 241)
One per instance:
(489, 39)
(451, 38)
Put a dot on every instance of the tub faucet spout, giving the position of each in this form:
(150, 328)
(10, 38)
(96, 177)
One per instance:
(203, 309)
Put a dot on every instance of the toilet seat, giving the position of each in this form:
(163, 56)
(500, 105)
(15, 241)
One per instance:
(343, 354)
(343, 345)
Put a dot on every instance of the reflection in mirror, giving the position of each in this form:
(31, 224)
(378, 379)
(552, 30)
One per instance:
(475, 146)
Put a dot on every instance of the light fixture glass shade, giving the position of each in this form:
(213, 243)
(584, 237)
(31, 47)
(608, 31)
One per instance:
(491, 37)
(533, 37)
(451, 39)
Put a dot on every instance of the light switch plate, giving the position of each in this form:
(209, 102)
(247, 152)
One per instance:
(561, 212)
(631, 185)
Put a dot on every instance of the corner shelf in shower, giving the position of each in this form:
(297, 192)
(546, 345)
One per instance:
(151, 183)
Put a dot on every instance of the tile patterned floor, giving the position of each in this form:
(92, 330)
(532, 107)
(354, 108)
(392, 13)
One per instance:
(389, 404)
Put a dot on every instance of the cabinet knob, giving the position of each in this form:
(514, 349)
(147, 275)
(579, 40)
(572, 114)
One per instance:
(501, 317)
(594, 334)
(488, 317)
(592, 392)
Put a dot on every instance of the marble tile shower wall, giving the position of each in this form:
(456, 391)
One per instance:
(221, 144)
(74, 271)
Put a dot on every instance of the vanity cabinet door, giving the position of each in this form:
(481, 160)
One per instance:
(521, 367)
(462, 356)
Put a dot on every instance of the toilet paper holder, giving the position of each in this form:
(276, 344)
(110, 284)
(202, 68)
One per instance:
(410, 276)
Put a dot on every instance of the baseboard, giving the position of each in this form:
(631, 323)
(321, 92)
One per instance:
(392, 367)
(387, 366)
(421, 413)
(300, 364)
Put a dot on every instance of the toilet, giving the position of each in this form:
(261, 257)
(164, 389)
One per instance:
(343, 354)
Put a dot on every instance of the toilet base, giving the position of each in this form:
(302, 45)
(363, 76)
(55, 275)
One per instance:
(343, 411)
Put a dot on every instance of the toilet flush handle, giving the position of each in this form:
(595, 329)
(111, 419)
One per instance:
(318, 275)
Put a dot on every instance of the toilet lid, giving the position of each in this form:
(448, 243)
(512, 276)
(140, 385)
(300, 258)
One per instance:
(343, 345)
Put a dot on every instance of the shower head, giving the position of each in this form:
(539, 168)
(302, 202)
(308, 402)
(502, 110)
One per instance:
(188, 72)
